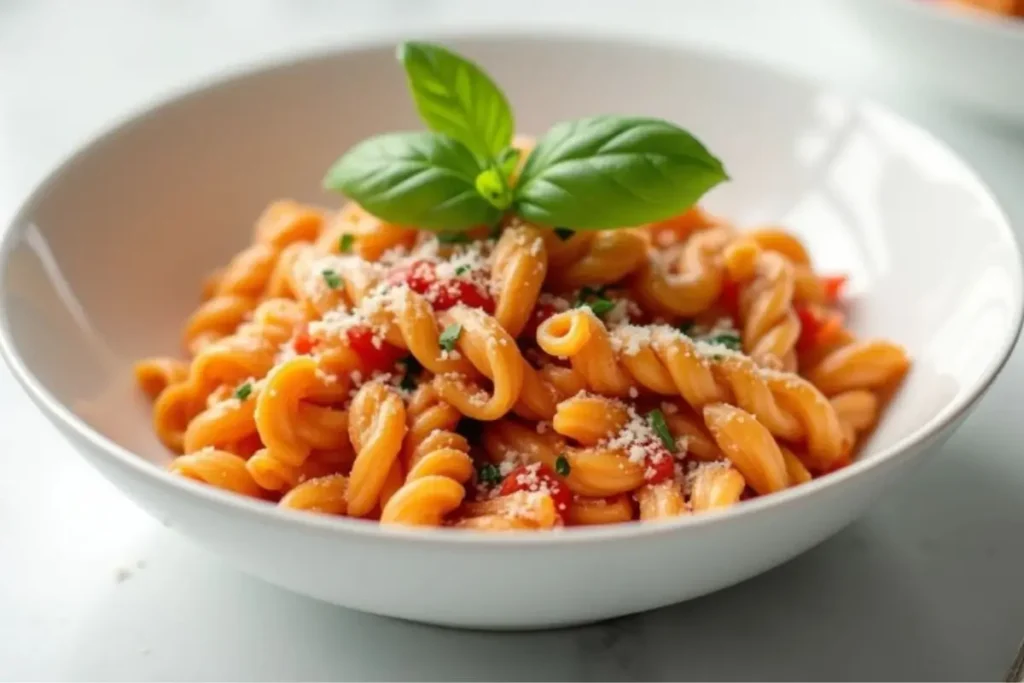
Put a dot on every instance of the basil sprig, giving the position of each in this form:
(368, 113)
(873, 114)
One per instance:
(596, 173)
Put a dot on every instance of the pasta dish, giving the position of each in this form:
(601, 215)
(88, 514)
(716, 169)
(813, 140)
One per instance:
(516, 375)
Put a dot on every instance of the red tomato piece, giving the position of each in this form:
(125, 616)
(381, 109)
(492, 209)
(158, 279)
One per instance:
(810, 323)
(538, 477)
(833, 286)
(730, 297)
(659, 465)
(817, 326)
(303, 343)
(419, 276)
(452, 292)
(374, 358)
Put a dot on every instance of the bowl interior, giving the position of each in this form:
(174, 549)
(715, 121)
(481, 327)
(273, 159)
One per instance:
(105, 261)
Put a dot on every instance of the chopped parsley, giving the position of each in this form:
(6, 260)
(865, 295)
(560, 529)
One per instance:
(463, 269)
(687, 327)
(660, 427)
(412, 371)
(345, 243)
(332, 279)
(726, 339)
(587, 292)
(564, 233)
(450, 336)
(595, 300)
(489, 474)
(452, 238)
(243, 391)
(562, 466)
(601, 306)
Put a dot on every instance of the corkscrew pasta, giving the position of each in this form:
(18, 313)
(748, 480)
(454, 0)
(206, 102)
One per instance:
(523, 379)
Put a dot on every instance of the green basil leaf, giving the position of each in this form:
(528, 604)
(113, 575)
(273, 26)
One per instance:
(609, 172)
(454, 96)
(508, 160)
(491, 186)
(422, 180)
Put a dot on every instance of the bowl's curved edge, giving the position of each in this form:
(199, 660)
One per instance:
(269, 513)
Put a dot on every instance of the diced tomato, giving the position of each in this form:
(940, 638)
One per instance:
(452, 292)
(374, 358)
(303, 343)
(809, 325)
(817, 326)
(833, 286)
(538, 477)
(659, 465)
(730, 297)
(540, 313)
(419, 275)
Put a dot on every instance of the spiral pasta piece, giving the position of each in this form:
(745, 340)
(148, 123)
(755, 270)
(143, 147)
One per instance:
(661, 501)
(438, 463)
(716, 486)
(591, 511)
(377, 429)
(520, 265)
(770, 325)
(687, 283)
(217, 468)
(494, 353)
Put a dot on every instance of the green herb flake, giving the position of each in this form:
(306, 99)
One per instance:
(600, 306)
(588, 292)
(562, 466)
(726, 339)
(452, 238)
(243, 391)
(345, 243)
(687, 327)
(450, 336)
(332, 279)
(489, 474)
(660, 427)
(564, 233)
(463, 269)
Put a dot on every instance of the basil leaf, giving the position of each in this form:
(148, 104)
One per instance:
(508, 160)
(611, 172)
(454, 96)
(425, 180)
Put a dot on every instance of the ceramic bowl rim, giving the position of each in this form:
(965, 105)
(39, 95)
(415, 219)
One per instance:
(195, 492)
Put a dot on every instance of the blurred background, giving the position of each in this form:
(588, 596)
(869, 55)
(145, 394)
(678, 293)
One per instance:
(913, 591)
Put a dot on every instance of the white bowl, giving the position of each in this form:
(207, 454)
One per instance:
(103, 262)
(970, 56)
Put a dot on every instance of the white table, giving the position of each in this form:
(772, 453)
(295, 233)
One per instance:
(927, 586)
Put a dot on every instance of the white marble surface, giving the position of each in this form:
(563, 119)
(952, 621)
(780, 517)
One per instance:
(927, 586)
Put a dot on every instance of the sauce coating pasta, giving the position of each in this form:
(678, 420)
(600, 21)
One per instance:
(522, 381)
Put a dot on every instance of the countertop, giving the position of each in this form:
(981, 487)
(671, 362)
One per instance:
(928, 585)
